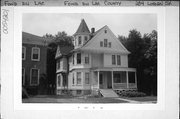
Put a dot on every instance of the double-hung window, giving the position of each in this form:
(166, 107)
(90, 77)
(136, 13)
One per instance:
(34, 76)
(113, 59)
(23, 53)
(87, 59)
(86, 78)
(118, 60)
(73, 80)
(59, 80)
(78, 58)
(23, 76)
(35, 56)
(78, 77)
(105, 42)
(79, 40)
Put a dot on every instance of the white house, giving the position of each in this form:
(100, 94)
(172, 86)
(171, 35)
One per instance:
(98, 61)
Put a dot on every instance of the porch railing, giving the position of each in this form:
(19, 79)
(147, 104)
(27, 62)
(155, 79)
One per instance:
(124, 86)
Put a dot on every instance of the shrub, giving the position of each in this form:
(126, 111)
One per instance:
(133, 94)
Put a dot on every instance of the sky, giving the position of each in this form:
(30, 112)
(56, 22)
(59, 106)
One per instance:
(120, 24)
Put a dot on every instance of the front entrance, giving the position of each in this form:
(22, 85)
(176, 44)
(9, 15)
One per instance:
(105, 80)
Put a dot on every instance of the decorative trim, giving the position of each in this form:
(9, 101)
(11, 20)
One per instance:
(31, 77)
(38, 54)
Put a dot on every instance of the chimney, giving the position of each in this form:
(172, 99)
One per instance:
(92, 30)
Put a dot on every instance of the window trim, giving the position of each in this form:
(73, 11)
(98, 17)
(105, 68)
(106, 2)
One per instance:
(105, 42)
(80, 78)
(23, 75)
(59, 75)
(109, 44)
(87, 78)
(77, 58)
(24, 58)
(118, 61)
(73, 79)
(86, 56)
(73, 59)
(85, 38)
(79, 39)
(114, 63)
(38, 54)
(31, 77)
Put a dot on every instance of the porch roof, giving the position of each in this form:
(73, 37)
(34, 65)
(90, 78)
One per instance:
(115, 69)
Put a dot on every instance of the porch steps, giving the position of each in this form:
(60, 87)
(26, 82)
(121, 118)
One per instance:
(108, 93)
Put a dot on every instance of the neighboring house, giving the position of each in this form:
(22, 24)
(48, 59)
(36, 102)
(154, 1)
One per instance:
(34, 55)
(98, 61)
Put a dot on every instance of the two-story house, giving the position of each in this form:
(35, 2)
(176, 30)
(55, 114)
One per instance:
(34, 55)
(98, 61)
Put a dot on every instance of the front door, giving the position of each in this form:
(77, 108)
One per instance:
(101, 80)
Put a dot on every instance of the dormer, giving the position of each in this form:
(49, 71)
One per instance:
(82, 34)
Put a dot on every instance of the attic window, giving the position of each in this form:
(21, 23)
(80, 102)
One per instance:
(105, 31)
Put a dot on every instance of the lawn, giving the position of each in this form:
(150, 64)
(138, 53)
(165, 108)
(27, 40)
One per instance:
(69, 99)
(142, 99)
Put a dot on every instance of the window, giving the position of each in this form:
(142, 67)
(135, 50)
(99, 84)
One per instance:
(101, 43)
(23, 53)
(23, 76)
(79, 40)
(78, 77)
(35, 54)
(85, 38)
(34, 76)
(105, 31)
(58, 64)
(119, 77)
(78, 58)
(87, 59)
(118, 60)
(73, 58)
(86, 78)
(131, 76)
(59, 80)
(113, 59)
(73, 80)
(105, 42)
(109, 44)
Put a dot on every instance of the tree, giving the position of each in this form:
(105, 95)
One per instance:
(151, 58)
(62, 39)
(143, 57)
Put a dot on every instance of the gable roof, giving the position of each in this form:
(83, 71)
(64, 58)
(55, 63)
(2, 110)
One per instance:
(121, 48)
(63, 50)
(83, 28)
(28, 38)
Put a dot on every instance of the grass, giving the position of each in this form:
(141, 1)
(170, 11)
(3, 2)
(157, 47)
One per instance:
(70, 99)
(142, 99)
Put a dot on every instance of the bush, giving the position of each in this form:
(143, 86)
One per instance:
(133, 94)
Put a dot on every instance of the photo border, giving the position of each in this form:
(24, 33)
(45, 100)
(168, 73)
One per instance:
(18, 105)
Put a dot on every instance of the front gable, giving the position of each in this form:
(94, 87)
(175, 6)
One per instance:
(58, 52)
(98, 42)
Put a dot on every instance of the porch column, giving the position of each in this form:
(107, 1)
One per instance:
(127, 79)
(112, 79)
(136, 79)
(98, 79)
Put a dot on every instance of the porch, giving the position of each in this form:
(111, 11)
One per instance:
(114, 78)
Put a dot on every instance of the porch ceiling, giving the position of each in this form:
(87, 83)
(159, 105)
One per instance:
(115, 69)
